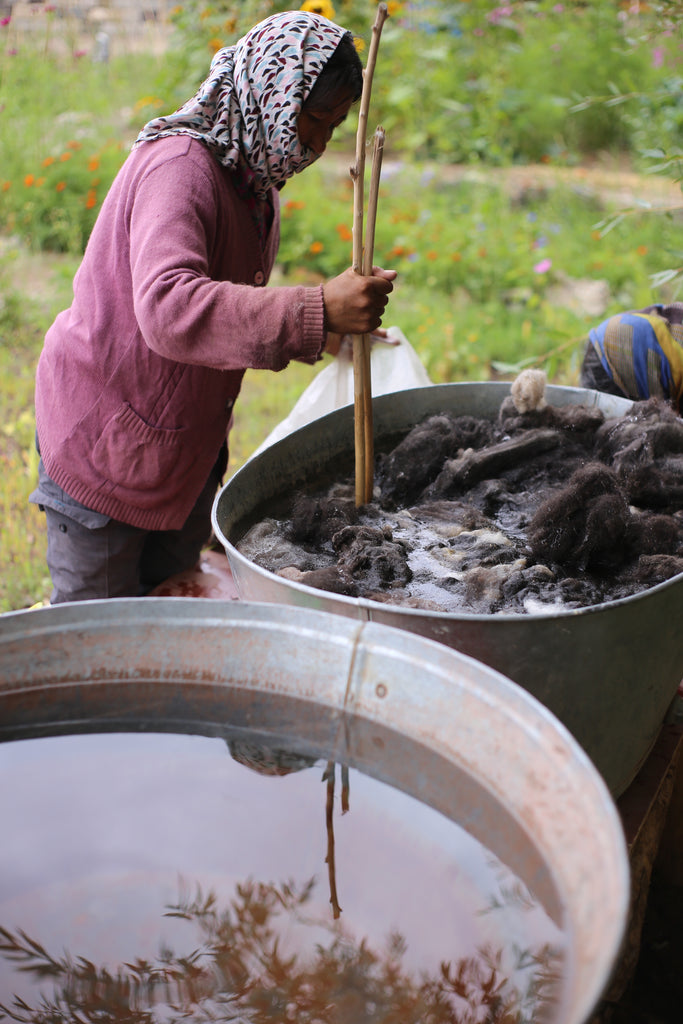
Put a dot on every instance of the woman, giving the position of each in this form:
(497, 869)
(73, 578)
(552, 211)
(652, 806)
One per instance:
(638, 354)
(137, 379)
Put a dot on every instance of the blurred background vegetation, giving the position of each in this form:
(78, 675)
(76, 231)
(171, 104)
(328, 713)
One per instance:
(531, 185)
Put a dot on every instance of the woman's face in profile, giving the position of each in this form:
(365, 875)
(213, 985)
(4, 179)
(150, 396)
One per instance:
(316, 125)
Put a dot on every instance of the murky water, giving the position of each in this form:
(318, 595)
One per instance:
(155, 877)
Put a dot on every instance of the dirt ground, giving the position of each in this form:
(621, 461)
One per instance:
(655, 995)
(605, 177)
(647, 982)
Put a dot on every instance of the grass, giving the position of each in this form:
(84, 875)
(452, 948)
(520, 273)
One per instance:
(32, 289)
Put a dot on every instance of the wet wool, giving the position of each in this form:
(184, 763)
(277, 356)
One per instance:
(544, 508)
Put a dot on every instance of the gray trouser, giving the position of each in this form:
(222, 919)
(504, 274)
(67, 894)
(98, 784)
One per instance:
(91, 556)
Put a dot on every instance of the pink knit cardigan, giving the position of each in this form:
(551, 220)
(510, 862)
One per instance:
(137, 379)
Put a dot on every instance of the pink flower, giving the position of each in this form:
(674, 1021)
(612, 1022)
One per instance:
(5, 21)
(498, 14)
(657, 57)
(543, 267)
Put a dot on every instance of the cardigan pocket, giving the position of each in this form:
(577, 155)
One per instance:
(132, 454)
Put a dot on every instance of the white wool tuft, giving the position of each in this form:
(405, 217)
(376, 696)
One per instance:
(528, 390)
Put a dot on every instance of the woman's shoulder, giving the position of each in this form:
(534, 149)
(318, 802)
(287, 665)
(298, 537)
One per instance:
(178, 166)
(180, 156)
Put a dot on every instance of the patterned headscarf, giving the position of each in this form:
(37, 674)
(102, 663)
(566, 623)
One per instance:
(249, 104)
(642, 351)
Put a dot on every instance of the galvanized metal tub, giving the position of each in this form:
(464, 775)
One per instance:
(425, 719)
(609, 672)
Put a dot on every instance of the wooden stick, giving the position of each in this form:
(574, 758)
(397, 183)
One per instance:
(362, 387)
(368, 252)
(345, 788)
(373, 198)
(358, 170)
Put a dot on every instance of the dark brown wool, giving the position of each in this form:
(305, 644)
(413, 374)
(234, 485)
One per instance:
(556, 506)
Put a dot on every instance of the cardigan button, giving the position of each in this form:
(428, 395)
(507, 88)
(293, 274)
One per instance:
(259, 277)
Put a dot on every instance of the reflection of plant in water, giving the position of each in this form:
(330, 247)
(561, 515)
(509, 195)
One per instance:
(238, 972)
(545, 977)
(267, 760)
(328, 777)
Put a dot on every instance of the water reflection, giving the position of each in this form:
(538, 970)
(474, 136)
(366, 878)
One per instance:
(237, 970)
(257, 951)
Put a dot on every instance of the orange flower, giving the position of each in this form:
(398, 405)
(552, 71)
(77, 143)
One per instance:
(93, 163)
(48, 160)
(60, 186)
(64, 157)
(40, 181)
(6, 186)
(72, 144)
(642, 250)
(294, 204)
(28, 180)
(344, 232)
(596, 236)
(398, 250)
(481, 252)
(316, 247)
(432, 255)
(91, 199)
(216, 44)
(456, 257)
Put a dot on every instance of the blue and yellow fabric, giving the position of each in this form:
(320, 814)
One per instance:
(642, 352)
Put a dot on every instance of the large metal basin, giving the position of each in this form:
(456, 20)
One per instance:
(412, 713)
(609, 672)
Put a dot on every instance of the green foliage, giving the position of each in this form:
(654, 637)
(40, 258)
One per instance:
(474, 82)
(22, 546)
(456, 83)
(200, 29)
(72, 141)
(458, 235)
(56, 208)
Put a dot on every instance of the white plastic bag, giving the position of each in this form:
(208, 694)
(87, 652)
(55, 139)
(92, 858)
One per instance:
(393, 367)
